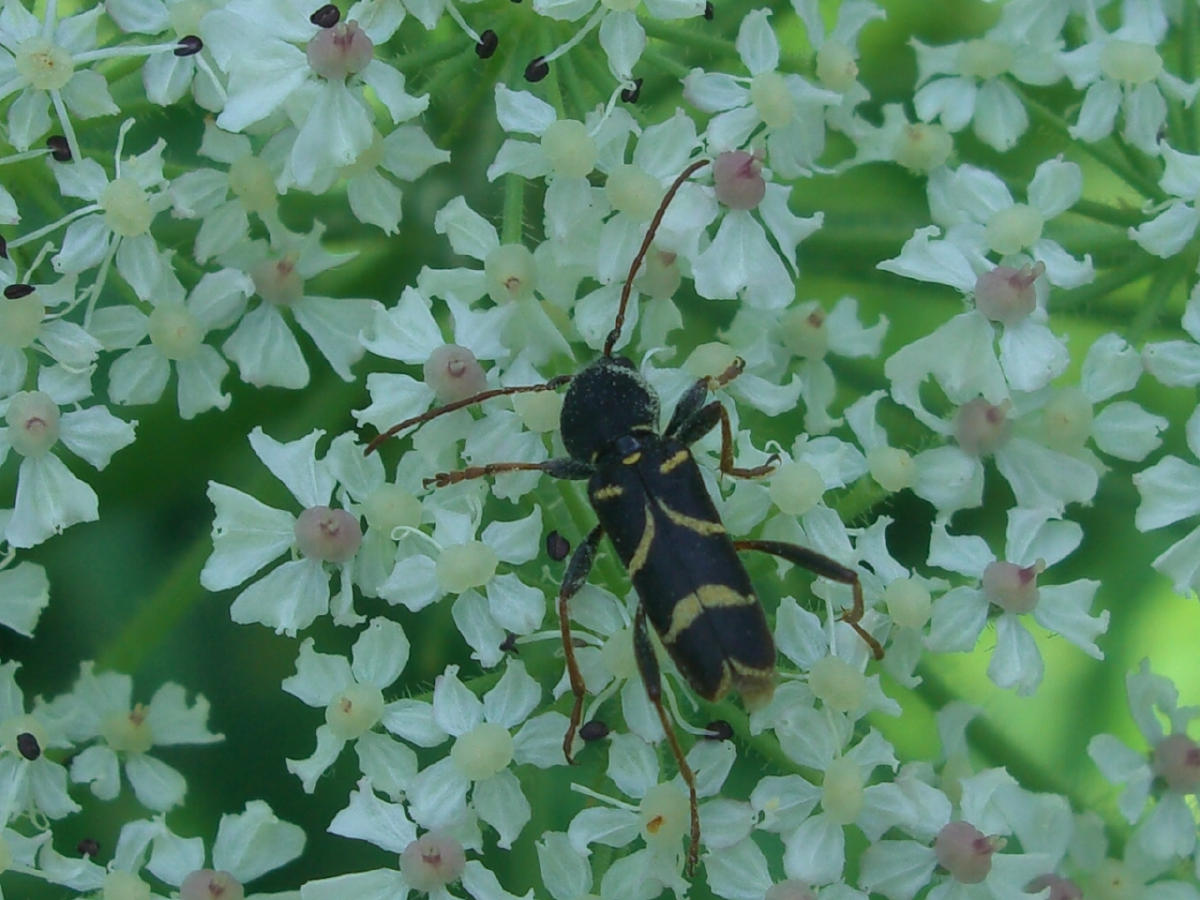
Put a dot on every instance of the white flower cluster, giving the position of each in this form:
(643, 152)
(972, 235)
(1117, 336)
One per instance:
(939, 454)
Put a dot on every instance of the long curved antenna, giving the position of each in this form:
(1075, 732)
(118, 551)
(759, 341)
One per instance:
(553, 384)
(627, 288)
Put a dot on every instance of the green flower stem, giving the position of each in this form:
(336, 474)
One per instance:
(1125, 172)
(513, 218)
(689, 37)
(1187, 71)
(593, 72)
(1169, 275)
(1110, 215)
(575, 84)
(1085, 297)
(426, 59)
(665, 63)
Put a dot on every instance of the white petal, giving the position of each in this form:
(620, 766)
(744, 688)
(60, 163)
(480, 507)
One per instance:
(247, 534)
(1016, 662)
(287, 598)
(295, 464)
(49, 499)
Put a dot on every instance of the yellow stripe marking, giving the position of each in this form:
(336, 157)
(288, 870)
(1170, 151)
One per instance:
(642, 551)
(632, 458)
(670, 465)
(608, 492)
(691, 606)
(700, 526)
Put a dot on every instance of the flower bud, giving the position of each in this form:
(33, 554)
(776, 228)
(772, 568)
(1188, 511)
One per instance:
(328, 535)
(965, 851)
(453, 373)
(432, 861)
(737, 177)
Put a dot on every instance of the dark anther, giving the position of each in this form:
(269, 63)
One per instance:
(3, 248)
(593, 730)
(537, 69)
(59, 148)
(326, 17)
(708, 10)
(631, 94)
(189, 45)
(720, 730)
(487, 44)
(88, 847)
(509, 644)
(557, 546)
(18, 290)
(27, 745)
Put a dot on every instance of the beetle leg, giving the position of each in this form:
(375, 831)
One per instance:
(821, 565)
(563, 467)
(647, 662)
(693, 419)
(573, 580)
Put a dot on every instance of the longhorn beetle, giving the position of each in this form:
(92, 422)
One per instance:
(650, 499)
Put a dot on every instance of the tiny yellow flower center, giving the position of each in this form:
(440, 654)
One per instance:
(128, 732)
(126, 207)
(355, 711)
(44, 64)
(483, 751)
(770, 95)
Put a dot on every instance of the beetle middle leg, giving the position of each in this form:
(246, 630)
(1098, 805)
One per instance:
(821, 565)
(693, 419)
(562, 467)
(647, 662)
(577, 572)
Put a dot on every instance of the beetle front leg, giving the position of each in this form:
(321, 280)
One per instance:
(821, 565)
(576, 576)
(647, 662)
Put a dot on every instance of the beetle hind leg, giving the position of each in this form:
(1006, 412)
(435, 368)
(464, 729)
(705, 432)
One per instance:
(647, 662)
(821, 565)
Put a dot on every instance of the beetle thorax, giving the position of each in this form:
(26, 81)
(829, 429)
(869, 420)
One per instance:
(607, 400)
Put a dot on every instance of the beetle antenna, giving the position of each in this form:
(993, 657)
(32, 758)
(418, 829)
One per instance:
(553, 384)
(627, 288)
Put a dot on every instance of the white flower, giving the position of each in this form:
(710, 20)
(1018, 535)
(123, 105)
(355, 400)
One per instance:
(40, 62)
(972, 88)
(993, 223)
(351, 694)
(660, 818)
(1011, 298)
(1123, 71)
(50, 498)
(319, 85)
(1034, 541)
(33, 324)
(1175, 221)
(792, 109)
(32, 781)
(483, 750)
(176, 328)
(116, 223)
(1169, 773)
(247, 535)
(488, 602)
(248, 845)
(100, 706)
(263, 346)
